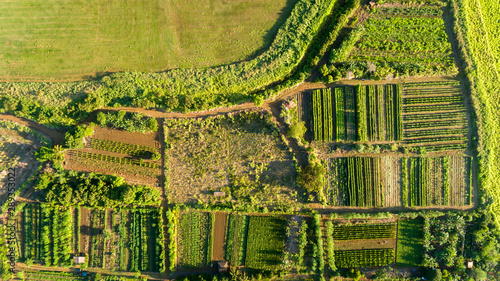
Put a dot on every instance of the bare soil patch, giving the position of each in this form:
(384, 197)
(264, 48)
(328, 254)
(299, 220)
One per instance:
(147, 139)
(366, 244)
(219, 236)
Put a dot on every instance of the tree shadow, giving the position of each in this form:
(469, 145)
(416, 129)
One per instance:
(271, 33)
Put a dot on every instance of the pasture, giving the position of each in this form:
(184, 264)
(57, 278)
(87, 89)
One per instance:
(69, 40)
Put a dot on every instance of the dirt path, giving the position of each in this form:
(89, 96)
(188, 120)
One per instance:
(387, 243)
(55, 136)
(219, 236)
(84, 230)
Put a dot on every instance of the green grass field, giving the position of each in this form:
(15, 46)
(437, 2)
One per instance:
(478, 36)
(73, 39)
(409, 247)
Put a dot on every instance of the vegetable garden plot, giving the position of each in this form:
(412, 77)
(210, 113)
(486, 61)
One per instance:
(121, 147)
(434, 116)
(406, 35)
(391, 181)
(266, 242)
(46, 234)
(362, 186)
(361, 258)
(52, 275)
(364, 231)
(362, 113)
(194, 238)
(236, 237)
(435, 181)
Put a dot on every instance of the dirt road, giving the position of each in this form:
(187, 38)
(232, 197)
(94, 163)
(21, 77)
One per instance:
(55, 136)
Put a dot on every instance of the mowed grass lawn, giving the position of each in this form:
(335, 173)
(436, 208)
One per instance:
(409, 245)
(72, 39)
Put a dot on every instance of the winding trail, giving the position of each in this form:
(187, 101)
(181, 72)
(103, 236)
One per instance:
(55, 136)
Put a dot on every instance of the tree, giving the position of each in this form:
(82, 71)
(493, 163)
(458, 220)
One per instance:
(155, 156)
(434, 274)
(152, 124)
(297, 130)
(479, 274)
(258, 100)
(121, 115)
(101, 119)
(312, 177)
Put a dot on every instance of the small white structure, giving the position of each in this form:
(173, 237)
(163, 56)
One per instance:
(219, 194)
(78, 260)
(470, 264)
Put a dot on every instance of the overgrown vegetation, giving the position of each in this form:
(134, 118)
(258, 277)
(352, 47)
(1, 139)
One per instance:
(94, 190)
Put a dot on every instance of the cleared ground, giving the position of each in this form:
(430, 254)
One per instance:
(72, 39)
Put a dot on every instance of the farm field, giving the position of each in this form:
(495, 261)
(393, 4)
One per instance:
(126, 240)
(252, 241)
(406, 33)
(410, 239)
(241, 155)
(379, 236)
(125, 154)
(49, 276)
(392, 145)
(408, 182)
(419, 115)
(130, 35)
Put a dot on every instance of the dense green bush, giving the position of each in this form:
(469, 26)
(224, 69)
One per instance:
(74, 137)
(93, 190)
(130, 122)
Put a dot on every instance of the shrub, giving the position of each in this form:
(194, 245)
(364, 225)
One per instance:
(297, 130)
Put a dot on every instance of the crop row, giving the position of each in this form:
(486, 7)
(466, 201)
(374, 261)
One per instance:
(194, 228)
(389, 111)
(114, 159)
(434, 107)
(431, 92)
(435, 124)
(363, 181)
(327, 115)
(361, 118)
(350, 113)
(435, 133)
(339, 114)
(435, 140)
(443, 147)
(317, 115)
(364, 231)
(432, 84)
(433, 100)
(398, 112)
(372, 113)
(121, 147)
(265, 242)
(236, 239)
(318, 262)
(362, 258)
(435, 116)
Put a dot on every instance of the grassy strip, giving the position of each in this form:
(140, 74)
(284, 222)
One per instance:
(481, 63)
(409, 246)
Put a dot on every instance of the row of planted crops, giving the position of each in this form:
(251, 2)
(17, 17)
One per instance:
(361, 113)
(126, 239)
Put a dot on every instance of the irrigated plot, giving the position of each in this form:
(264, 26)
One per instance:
(434, 116)
(410, 38)
(128, 240)
(133, 156)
